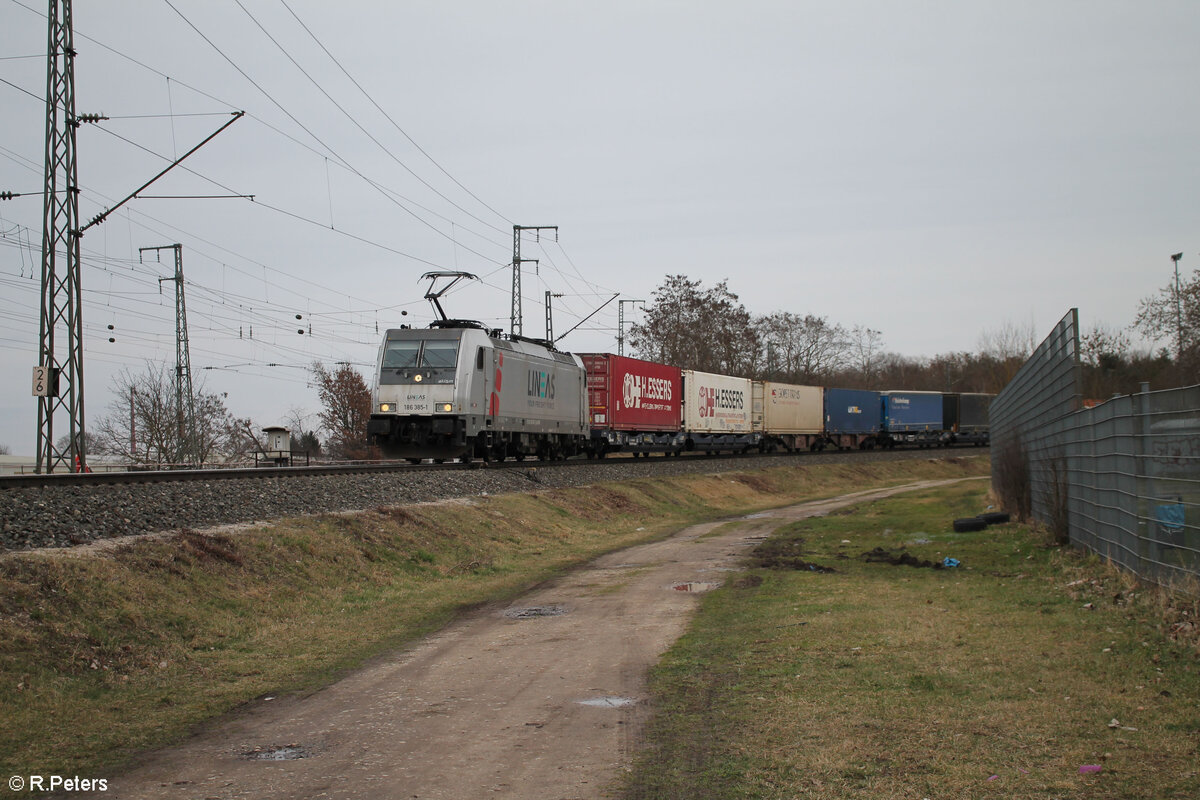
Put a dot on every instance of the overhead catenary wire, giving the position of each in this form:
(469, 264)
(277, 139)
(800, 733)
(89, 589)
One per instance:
(350, 116)
(275, 129)
(300, 217)
(328, 148)
(258, 201)
(387, 116)
(579, 285)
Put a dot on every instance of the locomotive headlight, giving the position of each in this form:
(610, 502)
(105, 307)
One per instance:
(385, 407)
(418, 377)
(445, 406)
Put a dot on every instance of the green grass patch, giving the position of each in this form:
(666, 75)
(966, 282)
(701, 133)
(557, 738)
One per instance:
(884, 680)
(108, 651)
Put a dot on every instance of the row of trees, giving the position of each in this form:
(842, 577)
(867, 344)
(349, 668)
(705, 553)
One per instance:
(706, 328)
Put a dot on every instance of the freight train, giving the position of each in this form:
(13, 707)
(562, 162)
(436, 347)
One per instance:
(461, 390)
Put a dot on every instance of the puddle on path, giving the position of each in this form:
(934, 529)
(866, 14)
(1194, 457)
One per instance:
(695, 586)
(608, 702)
(535, 611)
(290, 752)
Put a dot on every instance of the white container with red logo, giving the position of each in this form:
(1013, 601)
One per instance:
(717, 404)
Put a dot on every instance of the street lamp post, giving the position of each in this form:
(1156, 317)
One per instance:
(1178, 314)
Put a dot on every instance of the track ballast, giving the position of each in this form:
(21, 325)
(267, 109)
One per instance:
(67, 510)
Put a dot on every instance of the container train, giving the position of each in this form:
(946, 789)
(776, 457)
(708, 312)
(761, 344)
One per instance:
(461, 390)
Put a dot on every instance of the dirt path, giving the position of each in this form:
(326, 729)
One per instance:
(544, 699)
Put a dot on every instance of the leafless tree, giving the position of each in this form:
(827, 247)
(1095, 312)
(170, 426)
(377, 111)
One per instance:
(1175, 316)
(805, 350)
(1103, 346)
(143, 424)
(1006, 349)
(304, 431)
(692, 327)
(865, 349)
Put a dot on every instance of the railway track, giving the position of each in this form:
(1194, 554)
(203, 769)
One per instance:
(367, 468)
(263, 473)
(216, 474)
(64, 510)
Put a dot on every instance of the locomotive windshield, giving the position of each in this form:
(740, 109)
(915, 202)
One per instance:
(440, 353)
(435, 353)
(401, 355)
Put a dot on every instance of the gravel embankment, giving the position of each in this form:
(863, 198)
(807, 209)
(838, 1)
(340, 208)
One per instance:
(62, 516)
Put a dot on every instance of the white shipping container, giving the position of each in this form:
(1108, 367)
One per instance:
(716, 403)
(783, 408)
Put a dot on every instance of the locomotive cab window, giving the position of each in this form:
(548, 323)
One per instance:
(401, 354)
(434, 354)
(440, 353)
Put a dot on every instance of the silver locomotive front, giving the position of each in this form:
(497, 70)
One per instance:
(421, 393)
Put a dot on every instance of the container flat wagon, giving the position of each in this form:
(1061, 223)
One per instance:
(718, 412)
(853, 418)
(912, 417)
(634, 406)
(965, 418)
(789, 416)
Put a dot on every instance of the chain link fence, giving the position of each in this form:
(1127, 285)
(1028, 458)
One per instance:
(1121, 479)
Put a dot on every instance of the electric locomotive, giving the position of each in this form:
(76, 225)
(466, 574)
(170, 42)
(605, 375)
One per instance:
(460, 390)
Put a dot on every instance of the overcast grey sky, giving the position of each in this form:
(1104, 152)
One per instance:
(929, 169)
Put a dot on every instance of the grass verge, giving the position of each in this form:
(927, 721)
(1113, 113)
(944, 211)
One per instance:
(107, 651)
(1001, 678)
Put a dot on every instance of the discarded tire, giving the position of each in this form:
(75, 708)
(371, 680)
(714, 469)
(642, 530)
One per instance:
(995, 517)
(969, 524)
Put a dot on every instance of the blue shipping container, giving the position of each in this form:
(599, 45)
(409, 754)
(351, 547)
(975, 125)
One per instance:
(851, 411)
(905, 412)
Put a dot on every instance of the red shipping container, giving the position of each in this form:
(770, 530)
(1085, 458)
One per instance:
(628, 394)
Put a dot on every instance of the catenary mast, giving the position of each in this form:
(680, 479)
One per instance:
(58, 378)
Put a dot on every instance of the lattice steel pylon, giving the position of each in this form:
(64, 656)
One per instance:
(516, 323)
(188, 450)
(60, 389)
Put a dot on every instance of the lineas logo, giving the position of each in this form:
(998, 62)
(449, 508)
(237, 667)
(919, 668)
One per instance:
(541, 384)
(637, 388)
